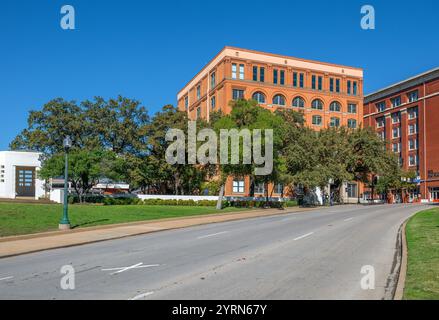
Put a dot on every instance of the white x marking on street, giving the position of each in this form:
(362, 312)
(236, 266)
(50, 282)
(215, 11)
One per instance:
(6, 278)
(135, 266)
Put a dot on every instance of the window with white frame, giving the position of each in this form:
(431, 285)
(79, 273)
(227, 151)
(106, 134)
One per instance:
(413, 160)
(413, 128)
(335, 122)
(241, 72)
(400, 161)
(259, 97)
(186, 102)
(355, 88)
(198, 92)
(279, 100)
(396, 147)
(335, 106)
(260, 187)
(317, 104)
(238, 186)
(298, 102)
(413, 96)
(396, 132)
(412, 113)
(237, 94)
(413, 144)
(382, 135)
(352, 123)
(396, 117)
(352, 108)
(381, 106)
(212, 80)
(234, 70)
(317, 120)
(213, 102)
(352, 190)
(395, 101)
(380, 122)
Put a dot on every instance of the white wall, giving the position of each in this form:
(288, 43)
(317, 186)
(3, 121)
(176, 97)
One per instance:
(57, 195)
(10, 160)
(172, 197)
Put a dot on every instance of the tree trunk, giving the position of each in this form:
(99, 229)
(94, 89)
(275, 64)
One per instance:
(266, 193)
(252, 186)
(219, 204)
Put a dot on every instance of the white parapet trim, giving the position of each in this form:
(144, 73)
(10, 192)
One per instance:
(175, 197)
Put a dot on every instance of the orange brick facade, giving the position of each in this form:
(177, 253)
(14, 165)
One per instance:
(407, 116)
(327, 94)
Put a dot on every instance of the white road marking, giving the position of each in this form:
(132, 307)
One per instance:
(348, 219)
(5, 278)
(304, 236)
(135, 266)
(141, 296)
(287, 219)
(212, 235)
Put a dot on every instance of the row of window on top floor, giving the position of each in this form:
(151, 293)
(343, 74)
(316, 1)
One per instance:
(412, 96)
(238, 72)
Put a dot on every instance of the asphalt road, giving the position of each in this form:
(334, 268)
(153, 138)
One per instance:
(311, 255)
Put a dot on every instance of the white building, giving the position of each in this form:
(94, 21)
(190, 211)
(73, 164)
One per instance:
(18, 175)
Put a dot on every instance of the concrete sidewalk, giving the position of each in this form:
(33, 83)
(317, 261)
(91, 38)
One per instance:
(16, 245)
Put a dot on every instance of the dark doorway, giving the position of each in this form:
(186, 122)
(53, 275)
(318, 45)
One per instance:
(25, 182)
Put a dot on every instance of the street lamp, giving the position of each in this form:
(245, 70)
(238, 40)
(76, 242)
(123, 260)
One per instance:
(64, 224)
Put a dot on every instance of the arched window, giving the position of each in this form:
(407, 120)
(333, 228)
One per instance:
(298, 102)
(259, 97)
(335, 106)
(317, 104)
(279, 100)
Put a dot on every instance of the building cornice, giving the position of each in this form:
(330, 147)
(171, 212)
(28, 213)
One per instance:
(402, 85)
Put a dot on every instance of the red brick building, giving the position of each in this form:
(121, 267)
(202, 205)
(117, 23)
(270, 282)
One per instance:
(406, 114)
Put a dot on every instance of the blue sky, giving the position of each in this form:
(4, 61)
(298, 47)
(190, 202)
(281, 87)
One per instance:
(148, 50)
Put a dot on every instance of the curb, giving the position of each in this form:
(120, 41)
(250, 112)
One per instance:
(399, 291)
(111, 226)
(55, 233)
(395, 281)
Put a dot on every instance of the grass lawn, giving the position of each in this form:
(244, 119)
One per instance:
(16, 218)
(422, 280)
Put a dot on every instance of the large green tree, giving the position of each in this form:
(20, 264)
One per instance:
(247, 114)
(111, 132)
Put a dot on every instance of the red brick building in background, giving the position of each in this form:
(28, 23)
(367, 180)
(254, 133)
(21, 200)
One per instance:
(406, 114)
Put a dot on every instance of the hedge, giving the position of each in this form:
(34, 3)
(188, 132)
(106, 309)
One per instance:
(109, 201)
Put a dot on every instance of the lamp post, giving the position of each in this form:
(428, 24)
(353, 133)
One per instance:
(64, 224)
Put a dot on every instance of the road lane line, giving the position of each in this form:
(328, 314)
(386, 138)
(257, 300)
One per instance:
(212, 235)
(141, 296)
(349, 219)
(5, 278)
(304, 236)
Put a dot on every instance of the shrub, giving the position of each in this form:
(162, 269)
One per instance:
(174, 202)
